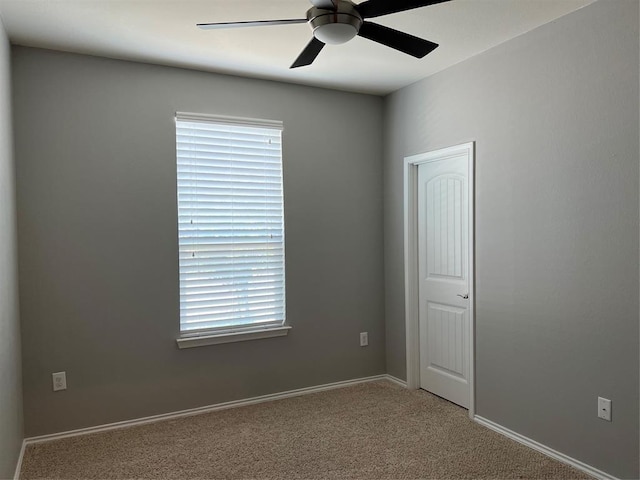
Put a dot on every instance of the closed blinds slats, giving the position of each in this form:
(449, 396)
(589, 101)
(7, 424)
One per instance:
(201, 135)
(195, 272)
(208, 200)
(196, 327)
(204, 199)
(247, 281)
(230, 224)
(224, 291)
(196, 284)
(243, 252)
(226, 259)
(252, 155)
(209, 318)
(211, 223)
(217, 162)
(195, 147)
(266, 239)
(208, 294)
(244, 272)
(228, 310)
(188, 178)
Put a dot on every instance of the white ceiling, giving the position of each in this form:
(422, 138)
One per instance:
(163, 32)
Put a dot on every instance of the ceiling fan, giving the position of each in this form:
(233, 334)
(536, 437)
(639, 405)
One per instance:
(338, 21)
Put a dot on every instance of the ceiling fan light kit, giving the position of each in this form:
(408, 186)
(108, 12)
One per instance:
(335, 22)
(335, 27)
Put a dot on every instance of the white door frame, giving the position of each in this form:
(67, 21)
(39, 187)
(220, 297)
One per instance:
(411, 296)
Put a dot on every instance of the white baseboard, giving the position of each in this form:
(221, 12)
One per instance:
(207, 409)
(16, 475)
(296, 393)
(393, 379)
(594, 472)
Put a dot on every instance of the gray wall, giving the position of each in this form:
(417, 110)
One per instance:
(10, 376)
(555, 117)
(95, 153)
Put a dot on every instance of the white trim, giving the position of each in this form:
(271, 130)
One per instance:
(295, 393)
(550, 452)
(16, 475)
(210, 408)
(411, 274)
(396, 380)
(411, 261)
(229, 337)
(223, 119)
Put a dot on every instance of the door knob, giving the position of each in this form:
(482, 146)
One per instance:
(465, 296)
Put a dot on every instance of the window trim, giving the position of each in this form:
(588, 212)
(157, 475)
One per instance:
(199, 338)
(208, 338)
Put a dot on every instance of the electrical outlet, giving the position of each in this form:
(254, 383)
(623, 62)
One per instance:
(364, 339)
(59, 381)
(604, 409)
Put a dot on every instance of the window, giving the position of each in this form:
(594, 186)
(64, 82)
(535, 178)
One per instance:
(230, 226)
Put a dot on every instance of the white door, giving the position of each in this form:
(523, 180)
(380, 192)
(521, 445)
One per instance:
(443, 269)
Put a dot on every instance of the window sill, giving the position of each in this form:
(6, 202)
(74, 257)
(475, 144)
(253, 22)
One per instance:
(218, 338)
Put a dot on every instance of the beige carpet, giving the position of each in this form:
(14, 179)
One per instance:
(369, 431)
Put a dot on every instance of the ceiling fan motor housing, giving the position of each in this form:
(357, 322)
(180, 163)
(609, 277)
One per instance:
(335, 26)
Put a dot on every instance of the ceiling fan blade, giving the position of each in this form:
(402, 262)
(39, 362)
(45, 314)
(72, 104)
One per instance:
(325, 4)
(414, 46)
(377, 8)
(257, 23)
(309, 53)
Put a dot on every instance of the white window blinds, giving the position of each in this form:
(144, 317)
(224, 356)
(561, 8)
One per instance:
(230, 223)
